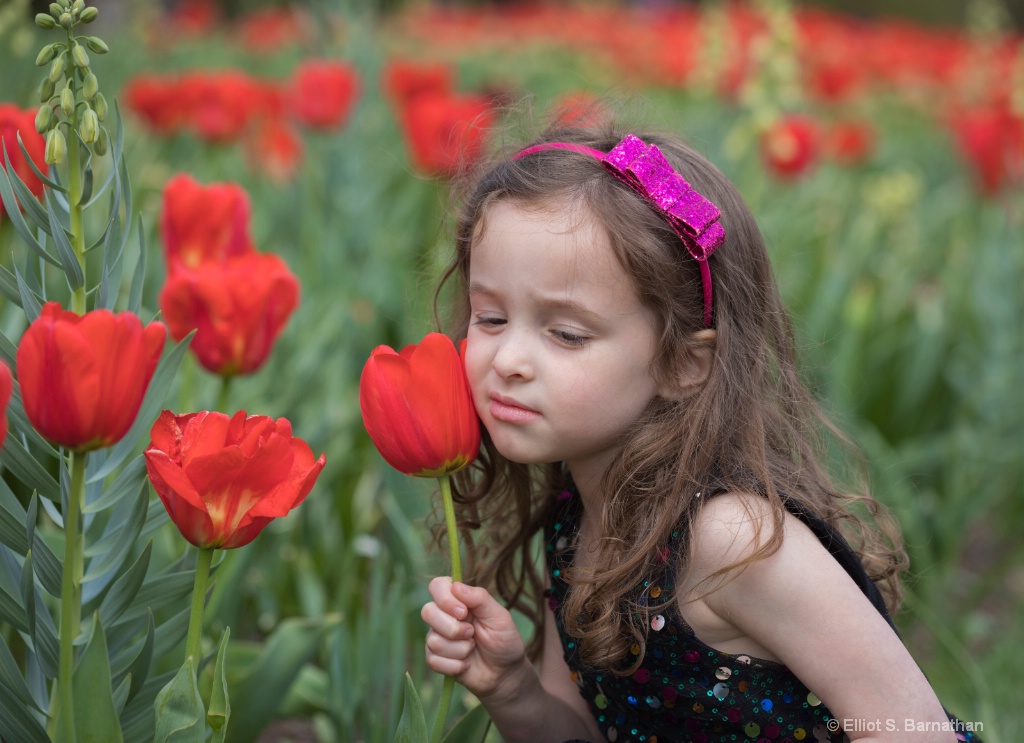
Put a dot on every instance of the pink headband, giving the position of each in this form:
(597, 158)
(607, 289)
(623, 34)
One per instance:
(644, 169)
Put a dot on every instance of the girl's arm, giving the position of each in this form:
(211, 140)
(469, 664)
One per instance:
(803, 607)
(474, 639)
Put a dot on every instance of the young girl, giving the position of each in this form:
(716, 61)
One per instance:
(634, 370)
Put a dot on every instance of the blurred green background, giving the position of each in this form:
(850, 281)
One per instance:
(903, 277)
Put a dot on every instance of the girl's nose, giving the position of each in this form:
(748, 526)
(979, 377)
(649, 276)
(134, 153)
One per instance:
(512, 358)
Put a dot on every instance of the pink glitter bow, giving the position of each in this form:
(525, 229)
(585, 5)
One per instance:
(644, 169)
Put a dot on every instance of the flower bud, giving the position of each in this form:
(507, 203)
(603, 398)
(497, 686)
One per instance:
(63, 4)
(89, 15)
(100, 106)
(90, 87)
(56, 147)
(56, 69)
(80, 56)
(47, 52)
(44, 117)
(100, 145)
(46, 88)
(56, 10)
(45, 21)
(66, 20)
(90, 126)
(96, 44)
(77, 6)
(67, 101)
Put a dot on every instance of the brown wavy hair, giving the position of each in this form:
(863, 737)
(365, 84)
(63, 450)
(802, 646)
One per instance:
(752, 426)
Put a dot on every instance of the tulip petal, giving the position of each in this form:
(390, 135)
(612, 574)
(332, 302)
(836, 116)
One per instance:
(183, 503)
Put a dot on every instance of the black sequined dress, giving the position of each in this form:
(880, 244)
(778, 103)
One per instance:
(687, 692)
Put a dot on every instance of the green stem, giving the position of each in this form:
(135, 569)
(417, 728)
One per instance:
(71, 592)
(453, 550)
(225, 395)
(195, 619)
(78, 304)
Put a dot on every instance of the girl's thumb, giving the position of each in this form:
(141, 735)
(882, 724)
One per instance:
(477, 600)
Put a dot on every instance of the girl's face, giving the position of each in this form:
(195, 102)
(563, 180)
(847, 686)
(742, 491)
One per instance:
(559, 346)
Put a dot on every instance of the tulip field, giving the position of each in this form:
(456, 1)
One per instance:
(211, 220)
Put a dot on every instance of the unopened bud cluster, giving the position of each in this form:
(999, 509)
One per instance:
(72, 104)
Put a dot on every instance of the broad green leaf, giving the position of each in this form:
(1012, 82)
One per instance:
(138, 667)
(219, 713)
(30, 301)
(412, 726)
(95, 714)
(258, 689)
(10, 675)
(12, 520)
(472, 727)
(120, 696)
(48, 567)
(108, 553)
(16, 722)
(128, 481)
(149, 411)
(180, 716)
(126, 588)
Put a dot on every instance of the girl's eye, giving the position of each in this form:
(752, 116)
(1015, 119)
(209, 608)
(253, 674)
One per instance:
(489, 321)
(570, 339)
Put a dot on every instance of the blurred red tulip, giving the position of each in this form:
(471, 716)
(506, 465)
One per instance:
(83, 376)
(223, 104)
(991, 139)
(193, 17)
(6, 388)
(270, 29)
(275, 149)
(850, 142)
(13, 121)
(203, 223)
(445, 132)
(790, 146)
(418, 408)
(222, 480)
(322, 93)
(238, 307)
(404, 79)
(158, 101)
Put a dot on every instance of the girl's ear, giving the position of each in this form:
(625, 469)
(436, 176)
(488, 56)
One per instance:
(694, 366)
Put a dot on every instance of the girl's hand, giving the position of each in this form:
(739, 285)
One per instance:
(472, 637)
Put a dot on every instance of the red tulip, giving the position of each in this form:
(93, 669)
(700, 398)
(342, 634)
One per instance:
(790, 146)
(991, 140)
(12, 121)
(404, 80)
(238, 307)
(322, 93)
(6, 388)
(275, 149)
(418, 408)
(83, 376)
(445, 132)
(203, 223)
(159, 102)
(222, 480)
(850, 142)
(223, 104)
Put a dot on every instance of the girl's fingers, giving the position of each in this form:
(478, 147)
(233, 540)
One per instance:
(444, 623)
(446, 666)
(445, 648)
(441, 591)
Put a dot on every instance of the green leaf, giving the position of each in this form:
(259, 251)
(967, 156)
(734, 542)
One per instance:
(108, 552)
(12, 520)
(120, 696)
(48, 181)
(135, 295)
(29, 301)
(68, 260)
(219, 713)
(10, 676)
(126, 588)
(180, 717)
(259, 688)
(28, 201)
(138, 669)
(128, 482)
(412, 726)
(16, 722)
(28, 593)
(95, 715)
(48, 567)
(149, 410)
(9, 285)
(472, 727)
(14, 212)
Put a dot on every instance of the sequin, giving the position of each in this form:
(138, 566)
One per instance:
(612, 735)
(642, 675)
(655, 592)
(721, 691)
(813, 700)
(799, 733)
(766, 705)
(653, 702)
(657, 623)
(601, 701)
(723, 673)
(744, 659)
(752, 729)
(635, 650)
